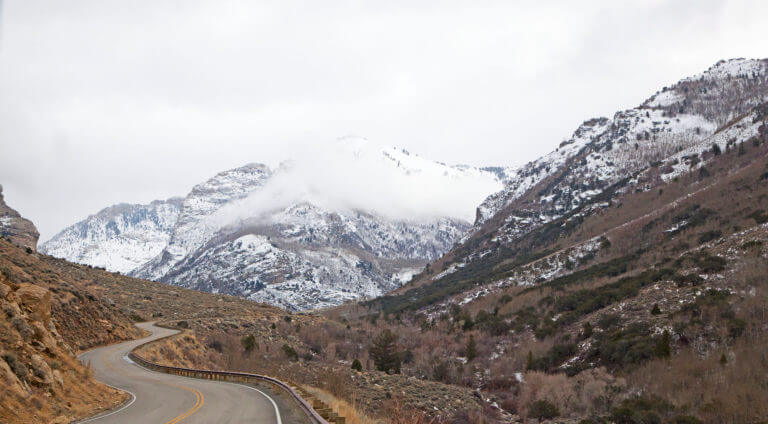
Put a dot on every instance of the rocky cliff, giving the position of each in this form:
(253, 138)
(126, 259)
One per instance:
(14, 227)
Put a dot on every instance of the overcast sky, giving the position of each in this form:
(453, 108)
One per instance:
(113, 101)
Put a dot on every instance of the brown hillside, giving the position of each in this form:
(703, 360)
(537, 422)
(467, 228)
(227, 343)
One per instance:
(45, 320)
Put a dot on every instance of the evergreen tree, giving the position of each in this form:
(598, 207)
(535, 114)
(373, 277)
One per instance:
(468, 323)
(384, 352)
(248, 342)
(655, 310)
(716, 149)
(543, 410)
(471, 349)
(664, 346)
(290, 353)
(529, 363)
(356, 365)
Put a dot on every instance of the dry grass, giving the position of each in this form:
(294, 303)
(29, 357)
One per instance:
(348, 410)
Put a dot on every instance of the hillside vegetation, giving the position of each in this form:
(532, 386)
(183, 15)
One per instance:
(605, 291)
(661, 319)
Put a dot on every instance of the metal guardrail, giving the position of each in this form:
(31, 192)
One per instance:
(239, 377)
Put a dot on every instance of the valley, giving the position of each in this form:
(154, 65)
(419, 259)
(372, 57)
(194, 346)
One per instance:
(620, 278)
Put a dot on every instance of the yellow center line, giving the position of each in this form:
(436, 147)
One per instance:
(199, 397)
(199, 401)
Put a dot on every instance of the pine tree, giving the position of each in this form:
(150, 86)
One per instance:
(663, 345)
(529, 363)
(723, 359)
(248, 342)
(716, 149)
(384, 352)
(655, 310)
(356, 365)
(471, 349)
(290, 353)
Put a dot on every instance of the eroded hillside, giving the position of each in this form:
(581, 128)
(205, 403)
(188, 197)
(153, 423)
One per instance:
(46, 320)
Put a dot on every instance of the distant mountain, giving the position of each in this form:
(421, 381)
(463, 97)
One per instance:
(119, 238)
(191, 231)
(285, 236)
(15, 227)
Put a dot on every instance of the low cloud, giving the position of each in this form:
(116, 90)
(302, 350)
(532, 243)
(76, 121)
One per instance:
(355, 174)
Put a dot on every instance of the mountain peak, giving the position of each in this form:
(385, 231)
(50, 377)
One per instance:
(737, 67)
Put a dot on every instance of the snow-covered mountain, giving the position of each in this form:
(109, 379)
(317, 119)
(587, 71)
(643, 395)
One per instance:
(192, 229)
(670, 133)
(674, 119)
(119, 238)
(347, 221)
(305, 257)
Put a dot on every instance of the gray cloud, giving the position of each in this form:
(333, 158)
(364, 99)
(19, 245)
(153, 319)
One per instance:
(109, 101)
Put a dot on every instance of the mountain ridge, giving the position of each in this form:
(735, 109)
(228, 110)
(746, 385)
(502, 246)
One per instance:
(636, 149)
(326, 254)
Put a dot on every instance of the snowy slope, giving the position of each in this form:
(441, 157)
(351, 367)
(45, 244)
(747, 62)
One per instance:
(668, 134)
(192, 230)
(118, 238)
(304, 257)
(677, 118)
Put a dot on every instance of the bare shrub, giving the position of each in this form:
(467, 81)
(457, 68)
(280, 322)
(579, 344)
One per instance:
(25, 331)
(733, 392)
(588, 392)
(16, 366)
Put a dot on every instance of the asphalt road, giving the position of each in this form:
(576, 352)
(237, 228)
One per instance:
(169, 399)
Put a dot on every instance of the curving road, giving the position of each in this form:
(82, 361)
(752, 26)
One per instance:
(162, 398)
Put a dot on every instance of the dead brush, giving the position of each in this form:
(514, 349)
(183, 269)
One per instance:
(347, 409)
(399, 414)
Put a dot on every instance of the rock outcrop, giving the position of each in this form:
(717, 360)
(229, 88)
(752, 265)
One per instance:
(36, 300)
(19, 230)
